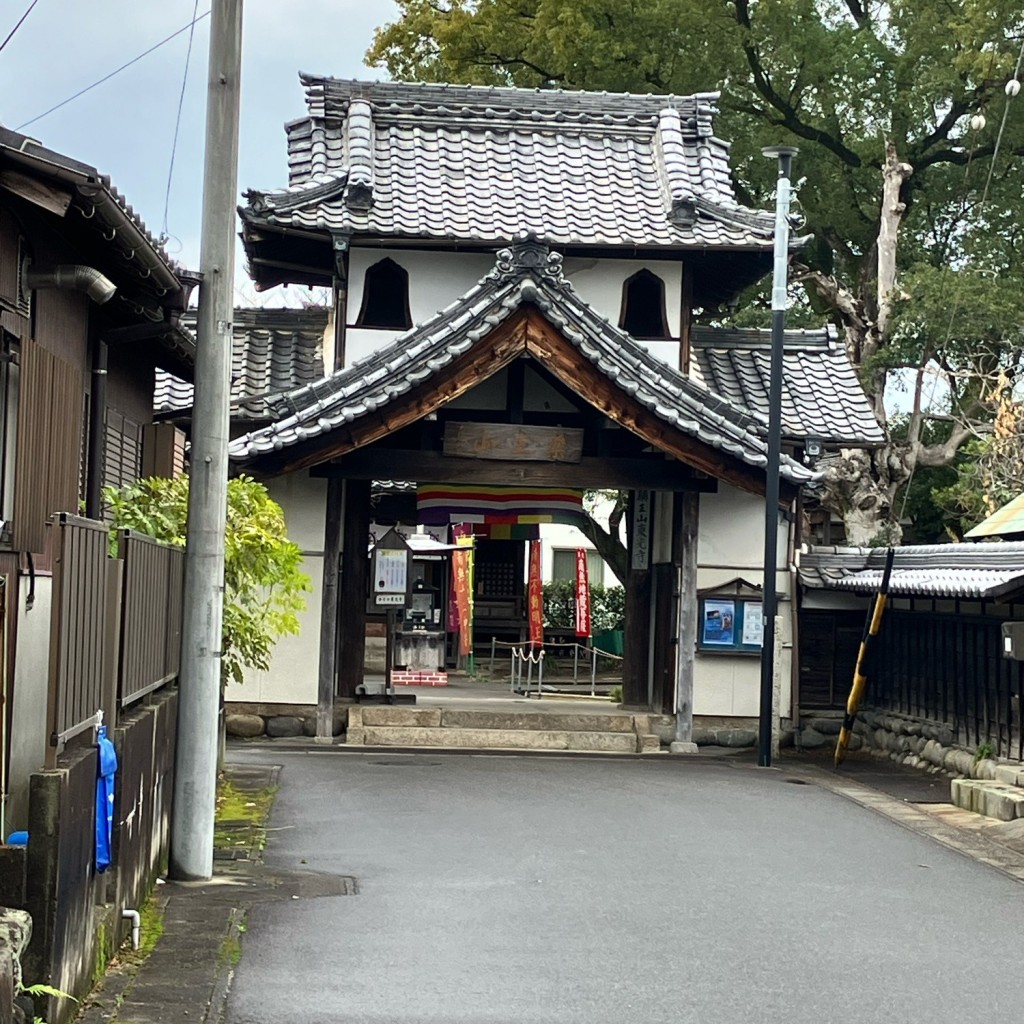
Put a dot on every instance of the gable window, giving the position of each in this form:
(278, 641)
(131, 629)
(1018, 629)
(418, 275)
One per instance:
(385, 297)
(643, 306)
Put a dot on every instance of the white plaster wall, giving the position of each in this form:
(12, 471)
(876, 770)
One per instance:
(438, 279)
(730, 544)
(294, 664)
(599, 283)
(27, 737)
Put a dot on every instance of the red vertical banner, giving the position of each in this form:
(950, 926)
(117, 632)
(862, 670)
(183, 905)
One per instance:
(582, 593)
(462, 570)
(535, 596)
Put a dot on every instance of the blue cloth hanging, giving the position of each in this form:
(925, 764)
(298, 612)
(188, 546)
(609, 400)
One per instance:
(107, 769)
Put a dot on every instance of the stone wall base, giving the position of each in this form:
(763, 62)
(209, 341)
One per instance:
(916, 742)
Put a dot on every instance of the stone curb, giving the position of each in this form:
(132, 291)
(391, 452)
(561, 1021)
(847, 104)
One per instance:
(976, 847)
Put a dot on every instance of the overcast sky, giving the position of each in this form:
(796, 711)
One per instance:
(125, 127)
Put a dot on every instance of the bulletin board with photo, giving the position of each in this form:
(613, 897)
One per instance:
(730, 624)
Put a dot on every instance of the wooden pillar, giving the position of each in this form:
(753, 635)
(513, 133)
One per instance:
(663, 615)
(329, 610)
(637, 640)
(352, 600)
(686, 631)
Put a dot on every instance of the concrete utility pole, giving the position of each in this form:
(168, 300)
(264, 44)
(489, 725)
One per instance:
(784, 155)
(195, 774)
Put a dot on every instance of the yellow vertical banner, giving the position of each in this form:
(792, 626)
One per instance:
(462, 568)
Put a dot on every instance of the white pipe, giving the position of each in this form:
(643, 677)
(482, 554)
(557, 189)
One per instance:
(136, 920)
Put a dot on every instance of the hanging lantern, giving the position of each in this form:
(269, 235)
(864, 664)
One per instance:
(978, 122)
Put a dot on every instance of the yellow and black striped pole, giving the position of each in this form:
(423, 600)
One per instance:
(860, 679)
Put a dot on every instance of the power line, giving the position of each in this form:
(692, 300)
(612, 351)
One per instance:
(106, 78)
(177, 120)
(10, 35)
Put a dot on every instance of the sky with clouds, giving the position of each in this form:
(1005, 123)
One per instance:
(125, 126)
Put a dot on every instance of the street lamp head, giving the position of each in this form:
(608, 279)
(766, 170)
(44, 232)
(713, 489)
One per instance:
(777, 152)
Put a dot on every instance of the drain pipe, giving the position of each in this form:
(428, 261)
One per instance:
(72, 276)
(97, 415)
(136, 920)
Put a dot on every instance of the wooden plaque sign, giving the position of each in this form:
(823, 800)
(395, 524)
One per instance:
(513, 442)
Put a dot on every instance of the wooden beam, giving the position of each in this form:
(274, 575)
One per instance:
(329, 611)
(687, 609)
(375, 463)
(352, 602)
(637, 641)
(55, 200)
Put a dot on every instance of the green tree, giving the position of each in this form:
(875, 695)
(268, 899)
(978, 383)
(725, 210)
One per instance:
(263, 581)
(897, 108)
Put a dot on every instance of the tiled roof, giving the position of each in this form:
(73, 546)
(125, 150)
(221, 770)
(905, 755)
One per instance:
(490, 164)
(989, 570)
(273, 351)
(821, 395)
(527, 273)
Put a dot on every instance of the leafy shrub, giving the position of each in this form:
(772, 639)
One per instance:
(263, 584)
(607, 606)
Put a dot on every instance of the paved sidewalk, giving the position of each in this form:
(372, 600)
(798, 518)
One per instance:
(189, 972)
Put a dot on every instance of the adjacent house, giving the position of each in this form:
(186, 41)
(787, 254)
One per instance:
(90, 309)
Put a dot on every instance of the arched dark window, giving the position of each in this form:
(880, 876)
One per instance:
(385, 297)
(643, 306)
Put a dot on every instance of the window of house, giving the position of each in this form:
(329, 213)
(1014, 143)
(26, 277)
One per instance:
(563, 565)
(643, 306)
(385, 297)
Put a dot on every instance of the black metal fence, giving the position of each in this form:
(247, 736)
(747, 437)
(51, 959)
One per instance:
(949, 668)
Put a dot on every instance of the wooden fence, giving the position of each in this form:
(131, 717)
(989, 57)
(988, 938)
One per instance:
(950, 668)
(151, 608)
(78, 622)
(105, 651)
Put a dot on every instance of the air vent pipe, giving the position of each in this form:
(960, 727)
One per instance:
(73, 276)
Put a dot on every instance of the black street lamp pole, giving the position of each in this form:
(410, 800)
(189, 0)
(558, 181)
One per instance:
(784, 155)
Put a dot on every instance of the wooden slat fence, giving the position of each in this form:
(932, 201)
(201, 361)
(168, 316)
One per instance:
(77, 628)
(950, 669)
(151, 609)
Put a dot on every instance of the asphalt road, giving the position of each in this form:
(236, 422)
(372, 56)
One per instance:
(516, 889)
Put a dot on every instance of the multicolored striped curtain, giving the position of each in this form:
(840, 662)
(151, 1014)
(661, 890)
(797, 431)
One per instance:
(437, 504)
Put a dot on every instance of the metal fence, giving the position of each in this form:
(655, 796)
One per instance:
(150, 647)
(949, 668)
(77, 628)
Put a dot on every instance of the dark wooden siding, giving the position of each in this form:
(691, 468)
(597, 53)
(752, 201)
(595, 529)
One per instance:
(47, 470)
(828, 653)
(949, 668)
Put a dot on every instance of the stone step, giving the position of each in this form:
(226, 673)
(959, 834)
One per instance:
(541, 721)
(993, 799)
(499, 739)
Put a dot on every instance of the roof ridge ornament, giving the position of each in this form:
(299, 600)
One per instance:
(527, 257)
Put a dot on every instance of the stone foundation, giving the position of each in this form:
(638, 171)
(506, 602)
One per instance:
(915, 742)
(418, 677)
(248, 720)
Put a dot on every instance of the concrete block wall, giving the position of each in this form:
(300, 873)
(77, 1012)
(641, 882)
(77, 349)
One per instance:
(76, 913)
